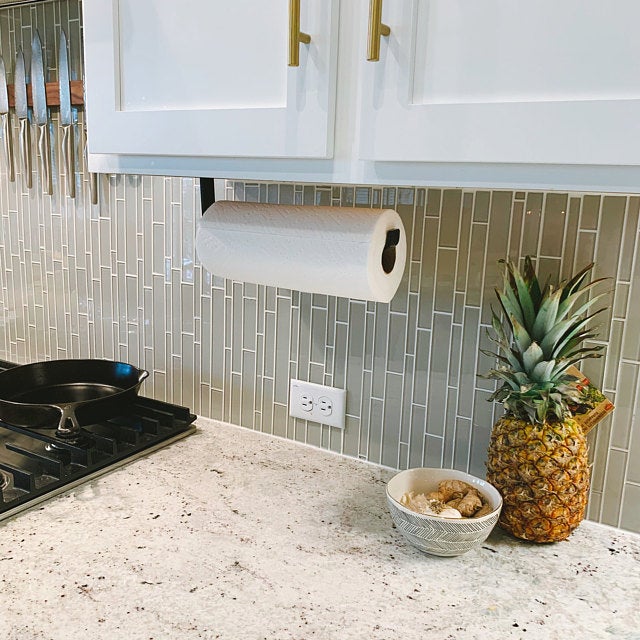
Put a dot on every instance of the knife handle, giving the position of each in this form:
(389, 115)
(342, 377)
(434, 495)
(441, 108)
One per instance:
(68, 159)
(7, 146)
(93, 177)
(44, 149)
(25, 151)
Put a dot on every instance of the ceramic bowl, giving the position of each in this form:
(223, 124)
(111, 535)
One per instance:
(432, 534)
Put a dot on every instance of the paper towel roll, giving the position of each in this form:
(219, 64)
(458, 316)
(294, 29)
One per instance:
(355, 253)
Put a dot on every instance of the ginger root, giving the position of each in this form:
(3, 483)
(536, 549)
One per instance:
(453, 499)
(486, 509)
(453, 503)
(452, 489)
(470, 504)
(463, 497)
(427, 506)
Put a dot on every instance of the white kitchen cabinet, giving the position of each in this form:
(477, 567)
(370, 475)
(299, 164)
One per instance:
(499, 81)
(208, 78)
(493, 94)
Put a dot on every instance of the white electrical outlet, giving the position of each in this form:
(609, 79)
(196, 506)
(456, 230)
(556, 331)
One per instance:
(311, 401)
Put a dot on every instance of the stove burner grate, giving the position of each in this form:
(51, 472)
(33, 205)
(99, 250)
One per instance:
(35, 464)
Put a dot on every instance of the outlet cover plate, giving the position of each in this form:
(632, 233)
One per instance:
(309, 401)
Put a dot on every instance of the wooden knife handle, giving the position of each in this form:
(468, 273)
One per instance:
(25, 151)
(7, 146)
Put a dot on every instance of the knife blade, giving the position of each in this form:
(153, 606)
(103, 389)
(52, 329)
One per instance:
(40, 114)
(67, 145)
(22, 111)
(7, 146)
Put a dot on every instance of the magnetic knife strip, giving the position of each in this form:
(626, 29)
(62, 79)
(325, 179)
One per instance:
(37, 96)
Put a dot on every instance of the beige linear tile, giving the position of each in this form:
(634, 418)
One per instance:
(594, 505)
(608, 247)
(531, 224)
(428, 273)
(590, 212)
(475, 268)
(612, 363)
(630, 514)
(481, 206)
(438, 374)
(621, 300)
(434, 201)
(517, 218)
(629, 239)
(450, 218)
(555, 213)
(599, 446)
(626, 400)
(631, 340)
(585, 251)
(613, 487)
(463, 248)
(633, 471)
(445, 280)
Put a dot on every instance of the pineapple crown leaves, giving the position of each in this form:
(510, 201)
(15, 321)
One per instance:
(546, 326)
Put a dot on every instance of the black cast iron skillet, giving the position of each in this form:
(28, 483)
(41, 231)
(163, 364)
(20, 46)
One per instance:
(66, 394)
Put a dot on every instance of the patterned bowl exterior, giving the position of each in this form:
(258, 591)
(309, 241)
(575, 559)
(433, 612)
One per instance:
(444, 536)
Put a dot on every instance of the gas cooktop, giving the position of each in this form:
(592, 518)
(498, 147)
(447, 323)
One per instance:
(36, 465)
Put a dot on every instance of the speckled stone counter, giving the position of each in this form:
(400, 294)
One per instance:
(233, 534)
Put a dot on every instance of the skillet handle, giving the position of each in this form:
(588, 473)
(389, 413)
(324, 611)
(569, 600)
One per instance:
(68, 427)
(142, 376)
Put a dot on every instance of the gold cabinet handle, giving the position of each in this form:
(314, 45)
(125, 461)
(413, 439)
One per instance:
(295, 35)
(376, 30)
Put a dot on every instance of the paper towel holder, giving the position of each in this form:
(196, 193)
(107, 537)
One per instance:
(389, 252)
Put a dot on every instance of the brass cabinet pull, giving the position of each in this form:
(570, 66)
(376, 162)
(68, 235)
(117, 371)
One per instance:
(295, 35)
(376, 30)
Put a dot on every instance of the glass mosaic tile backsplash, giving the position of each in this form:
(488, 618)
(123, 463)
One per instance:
(120, 280)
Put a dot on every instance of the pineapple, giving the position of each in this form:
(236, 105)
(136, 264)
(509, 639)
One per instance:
(537, 455)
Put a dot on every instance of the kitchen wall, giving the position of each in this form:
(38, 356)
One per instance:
(121, 280)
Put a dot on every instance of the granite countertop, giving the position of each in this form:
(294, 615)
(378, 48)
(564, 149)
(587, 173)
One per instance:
(234, 534)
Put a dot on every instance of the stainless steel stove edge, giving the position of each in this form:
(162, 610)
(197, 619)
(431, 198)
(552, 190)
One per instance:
(100, 472)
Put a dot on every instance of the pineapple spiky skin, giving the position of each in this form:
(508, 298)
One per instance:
(542, 472)
(537, 455)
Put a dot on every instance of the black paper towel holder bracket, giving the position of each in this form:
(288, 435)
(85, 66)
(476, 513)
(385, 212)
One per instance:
(389, 252)
(207, 193)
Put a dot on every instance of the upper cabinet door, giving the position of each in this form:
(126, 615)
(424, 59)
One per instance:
(499, 81)
(209, 78)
